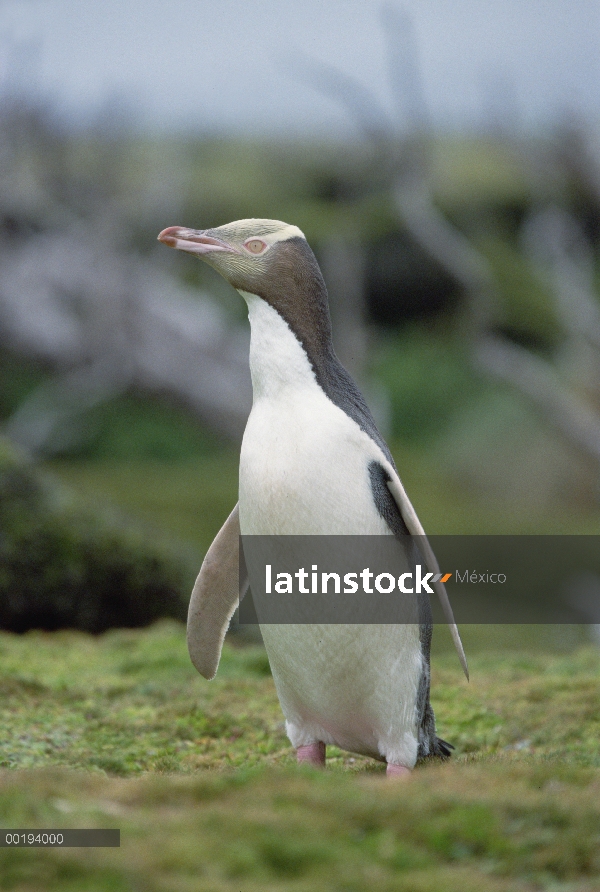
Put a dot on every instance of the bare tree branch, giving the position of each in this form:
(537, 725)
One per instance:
(537, 380)
(404, 69)
(558, 247)
(362, 105)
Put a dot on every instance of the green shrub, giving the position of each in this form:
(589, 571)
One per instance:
(61, 567)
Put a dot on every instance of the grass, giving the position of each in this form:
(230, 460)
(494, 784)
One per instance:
(119, 731)
(460, 830)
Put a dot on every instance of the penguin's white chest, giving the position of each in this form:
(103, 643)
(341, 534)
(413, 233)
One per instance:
(304, 470)
(304, 463)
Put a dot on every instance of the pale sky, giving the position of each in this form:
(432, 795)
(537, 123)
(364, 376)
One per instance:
(223, 64)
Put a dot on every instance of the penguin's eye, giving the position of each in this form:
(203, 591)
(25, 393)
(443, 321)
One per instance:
(255, 246)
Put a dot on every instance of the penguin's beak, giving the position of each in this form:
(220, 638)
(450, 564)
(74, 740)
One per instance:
(194, 241)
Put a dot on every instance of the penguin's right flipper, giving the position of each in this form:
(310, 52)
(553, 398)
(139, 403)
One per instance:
(414, 527)
(215, 596)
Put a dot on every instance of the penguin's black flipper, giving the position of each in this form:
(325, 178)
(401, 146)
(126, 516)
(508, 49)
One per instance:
(215, 596)
(413, 524)
(396, 509)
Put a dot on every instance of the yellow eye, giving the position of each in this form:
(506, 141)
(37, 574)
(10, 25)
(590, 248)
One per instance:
(255, 245)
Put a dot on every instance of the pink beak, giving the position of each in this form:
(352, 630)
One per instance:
(192, 240)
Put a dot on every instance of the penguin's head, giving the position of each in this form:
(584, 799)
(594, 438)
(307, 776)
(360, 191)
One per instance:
(267, 258)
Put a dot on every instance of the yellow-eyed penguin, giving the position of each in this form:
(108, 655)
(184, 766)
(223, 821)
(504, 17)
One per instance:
(312, 463)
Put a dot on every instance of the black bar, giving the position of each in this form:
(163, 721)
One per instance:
(384, 579)
(51, 839)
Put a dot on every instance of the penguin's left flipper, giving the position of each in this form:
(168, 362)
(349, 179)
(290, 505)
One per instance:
(215, 596)
(409, 515)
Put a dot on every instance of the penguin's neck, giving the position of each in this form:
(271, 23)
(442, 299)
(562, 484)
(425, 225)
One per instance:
(281, 367)
(278, 361)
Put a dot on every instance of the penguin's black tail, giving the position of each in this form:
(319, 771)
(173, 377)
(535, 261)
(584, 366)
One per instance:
(442, 748)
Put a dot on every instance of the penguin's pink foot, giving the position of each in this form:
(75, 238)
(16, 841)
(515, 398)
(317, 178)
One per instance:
(312, 753)
(398, 771)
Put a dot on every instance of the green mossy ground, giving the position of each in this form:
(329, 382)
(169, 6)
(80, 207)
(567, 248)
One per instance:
(120, 731)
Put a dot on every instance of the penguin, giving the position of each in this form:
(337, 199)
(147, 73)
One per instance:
(312, 462)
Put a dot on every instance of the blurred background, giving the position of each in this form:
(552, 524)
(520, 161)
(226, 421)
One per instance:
(443, 160)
